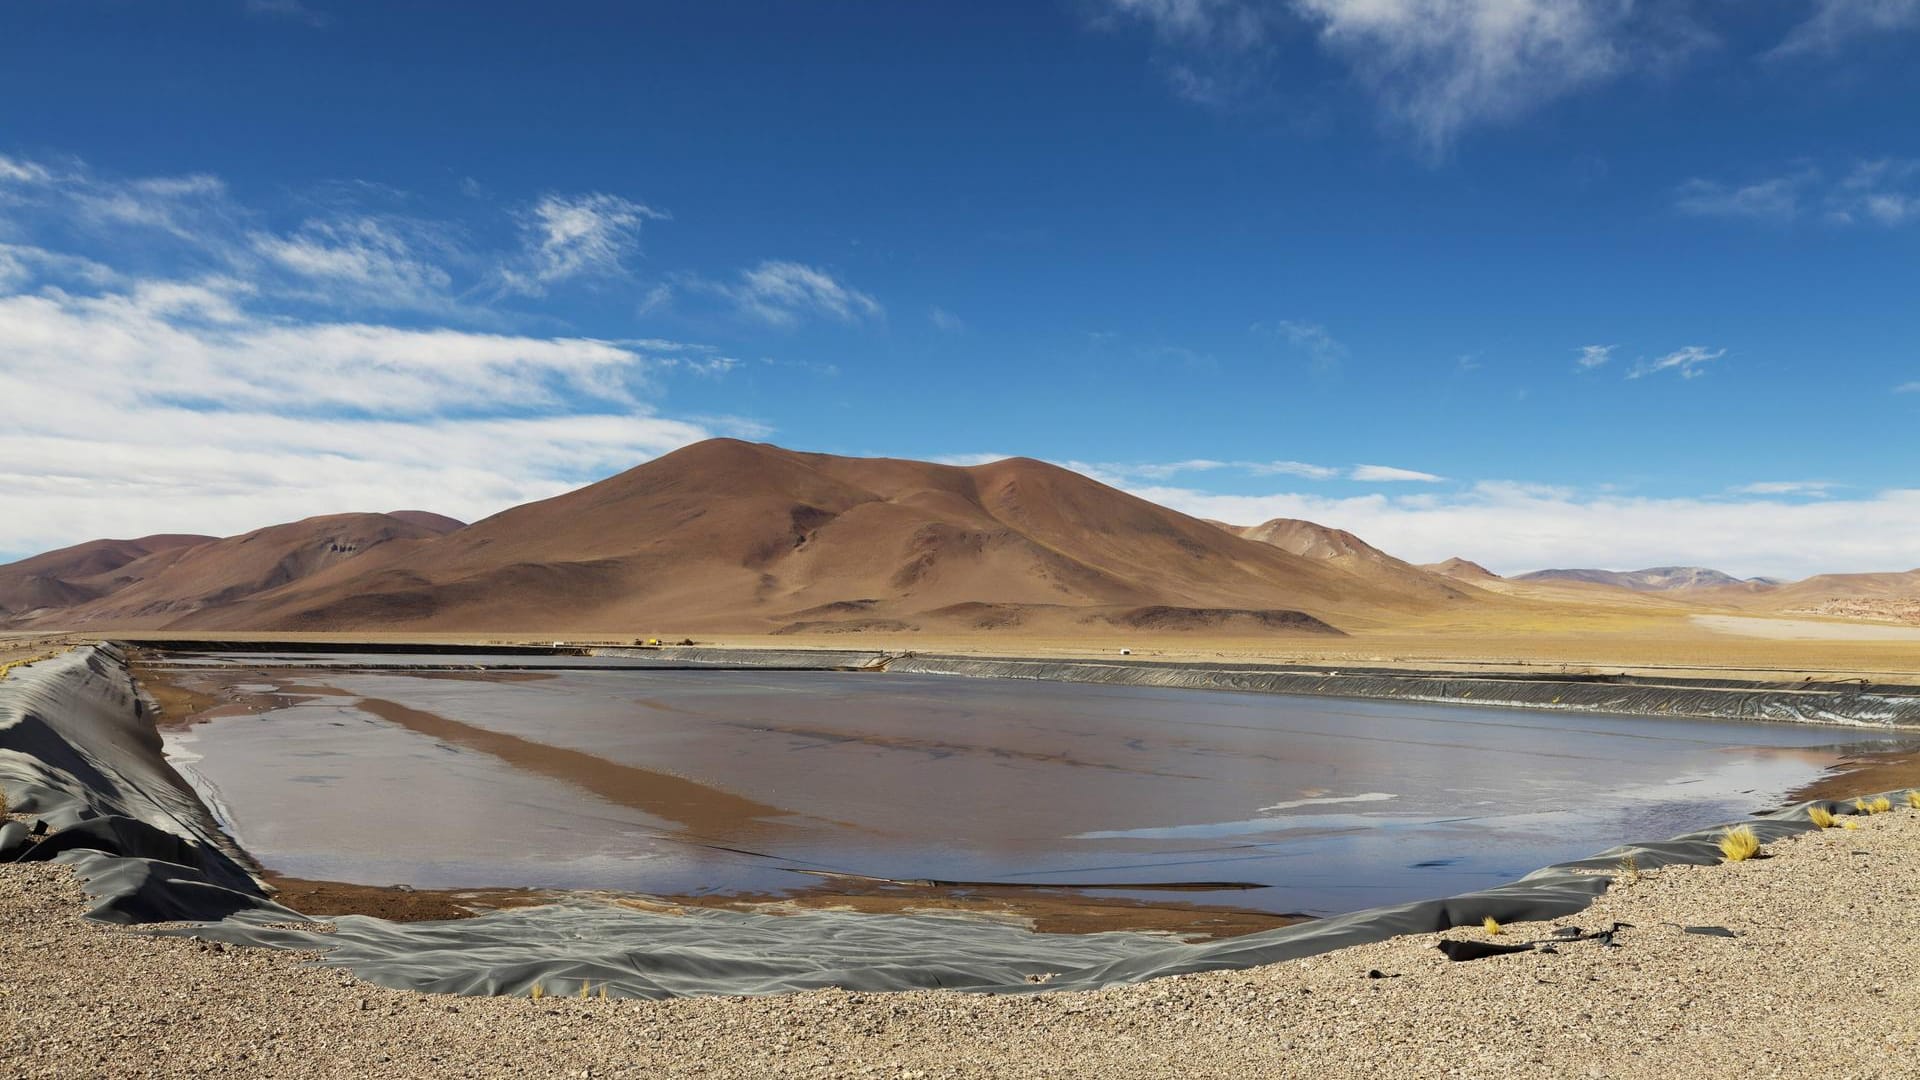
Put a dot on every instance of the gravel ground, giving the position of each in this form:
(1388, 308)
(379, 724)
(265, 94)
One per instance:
(1822, 979)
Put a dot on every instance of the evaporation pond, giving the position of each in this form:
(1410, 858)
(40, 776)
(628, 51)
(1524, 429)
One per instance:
(682, 783)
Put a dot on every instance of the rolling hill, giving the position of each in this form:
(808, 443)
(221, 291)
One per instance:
(740, 537)
(184, 575)
(72, 576)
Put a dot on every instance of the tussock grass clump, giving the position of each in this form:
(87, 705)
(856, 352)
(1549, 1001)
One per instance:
(1492, 924)
(1880, 805)
(1821, 817)
(1630, 869)
(1849, 823)
(1739, 843)
(539, 991)
(1913, 798)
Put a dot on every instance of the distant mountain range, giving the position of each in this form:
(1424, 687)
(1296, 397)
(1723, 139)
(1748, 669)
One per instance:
(1652, 579)
(731, 537)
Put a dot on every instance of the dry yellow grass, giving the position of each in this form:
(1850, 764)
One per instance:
(1820, 816)
(1492, 925)
(1630, 869)
(1880, 804)
(1739, 843)
(1849, 823)
(1913, 798)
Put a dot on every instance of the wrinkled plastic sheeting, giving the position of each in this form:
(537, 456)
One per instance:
(77, 753)
(1851, 706)
(653, 955)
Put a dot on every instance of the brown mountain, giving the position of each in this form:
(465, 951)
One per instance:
(1341, 548)
(74, 575)
(731, 536)
(1463, 569)
(162, 588)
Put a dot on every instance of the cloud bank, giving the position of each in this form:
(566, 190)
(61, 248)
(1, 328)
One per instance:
(135, 401)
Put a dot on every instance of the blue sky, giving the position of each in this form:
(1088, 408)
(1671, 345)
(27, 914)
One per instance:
(1539, 282)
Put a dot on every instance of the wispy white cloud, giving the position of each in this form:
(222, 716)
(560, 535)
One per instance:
(288, 9)
(1436, 67)
(1443, 66)
(1835, 23)
(1232, 24)
(193, 208)
(1326, 351)
(15, 171)
(1593, 356)
(1883, 191)
(1775, 199)
(1908, 388)
(1815, 488)
(946, 321)
(1379, 474)
(1690, 362)
(784, 293)
(572, 237)
(1300, 469)
(1886, 192)
(23, 263)
(359, 258)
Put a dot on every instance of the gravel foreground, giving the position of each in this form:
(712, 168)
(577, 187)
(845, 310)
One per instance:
(1822, 978)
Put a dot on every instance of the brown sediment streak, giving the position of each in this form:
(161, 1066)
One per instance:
(938, 748)
(1058, 912)
(1865, 774)
(702, 809)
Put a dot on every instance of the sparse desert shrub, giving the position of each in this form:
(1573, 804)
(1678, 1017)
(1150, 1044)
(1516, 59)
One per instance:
(1492, 924)
(1913, 798)
(1860, 804)
(1880, 805)
(1821, 817)
(1630, 869)
(1849, 823)
(539, 991)
(1739, 843)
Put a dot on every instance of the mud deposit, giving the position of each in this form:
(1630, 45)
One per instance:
(772, 785)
